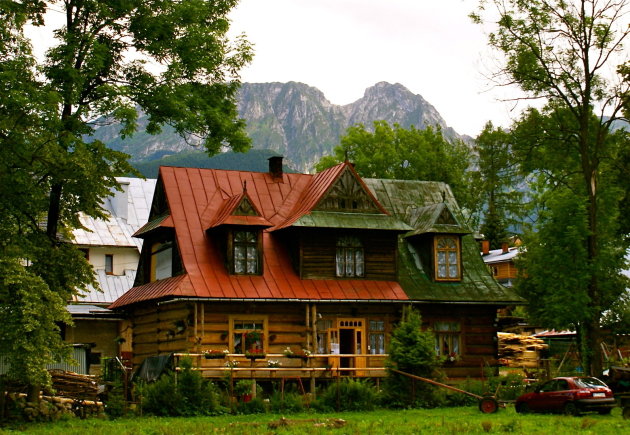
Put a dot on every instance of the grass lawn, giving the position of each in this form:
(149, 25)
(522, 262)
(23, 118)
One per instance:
(443, 421)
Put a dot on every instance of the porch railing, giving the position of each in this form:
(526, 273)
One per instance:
(316, 365)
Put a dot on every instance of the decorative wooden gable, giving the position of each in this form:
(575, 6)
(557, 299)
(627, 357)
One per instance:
(245, 208)
(348, 194)
(446, 217)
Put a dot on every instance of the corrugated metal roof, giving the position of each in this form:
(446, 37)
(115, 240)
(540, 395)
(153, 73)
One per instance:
(498, 256)
(197, 197)
(112, 286)
(128, 211)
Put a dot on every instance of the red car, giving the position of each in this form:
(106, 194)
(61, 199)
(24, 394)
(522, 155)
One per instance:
(571, 395)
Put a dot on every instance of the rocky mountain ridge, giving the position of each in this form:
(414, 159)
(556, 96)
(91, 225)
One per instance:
(295, 120)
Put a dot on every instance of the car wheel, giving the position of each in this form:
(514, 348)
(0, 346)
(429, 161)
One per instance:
(522, 408)
(571, 409)
(605, 411)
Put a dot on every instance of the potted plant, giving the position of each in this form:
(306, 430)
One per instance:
(215, 354)
(243, 389)
(253, 339)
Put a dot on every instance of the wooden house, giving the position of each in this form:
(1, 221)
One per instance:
(500, 262)
(252, 264)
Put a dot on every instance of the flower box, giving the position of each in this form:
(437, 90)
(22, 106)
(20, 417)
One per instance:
(215, 354)
(255, 355)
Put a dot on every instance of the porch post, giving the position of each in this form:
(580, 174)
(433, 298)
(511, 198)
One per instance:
(314, 348)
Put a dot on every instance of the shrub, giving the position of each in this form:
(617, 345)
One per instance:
(254, 406)
(412, 351)
(115, 404)
(292, 402)
(188, 396)
(348, 395)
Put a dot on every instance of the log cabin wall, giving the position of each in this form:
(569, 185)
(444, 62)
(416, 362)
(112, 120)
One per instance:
(157, 328)
(318, 251)
(478, 334)
(160, 329)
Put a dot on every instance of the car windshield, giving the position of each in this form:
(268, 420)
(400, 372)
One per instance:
(589, 383)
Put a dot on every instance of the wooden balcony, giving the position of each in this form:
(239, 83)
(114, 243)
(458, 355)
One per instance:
(320, 366)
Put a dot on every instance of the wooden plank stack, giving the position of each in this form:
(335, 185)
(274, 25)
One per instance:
(517, 350)
(74, 385)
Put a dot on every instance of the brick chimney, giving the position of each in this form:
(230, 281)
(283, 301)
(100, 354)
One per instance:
(275, 167)
(505, 247)
(485, 247)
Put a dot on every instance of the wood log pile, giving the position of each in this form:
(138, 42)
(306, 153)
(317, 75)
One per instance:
(517, 350)
(73, 385)
(52, 408)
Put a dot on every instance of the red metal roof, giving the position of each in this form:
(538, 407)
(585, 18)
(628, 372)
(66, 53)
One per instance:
(200, 198)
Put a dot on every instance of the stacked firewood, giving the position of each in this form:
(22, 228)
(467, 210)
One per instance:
(517, 350)
(74, 385)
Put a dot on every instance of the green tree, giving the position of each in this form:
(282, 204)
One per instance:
(497, 181)
(411, 350)
(558, 51)
(170, 59)
(405, 154)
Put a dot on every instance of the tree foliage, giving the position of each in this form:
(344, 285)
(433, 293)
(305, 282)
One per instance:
(404, 154)
(559, 51)
(411, 350)
(171, 59)
(497, 180)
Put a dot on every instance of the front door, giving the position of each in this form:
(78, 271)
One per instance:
(351, 343)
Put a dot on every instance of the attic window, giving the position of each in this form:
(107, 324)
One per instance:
(447, 258)
(161, 261)
(349, 259)
(246, 252)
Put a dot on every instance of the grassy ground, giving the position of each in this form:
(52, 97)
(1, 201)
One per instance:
(443, 421)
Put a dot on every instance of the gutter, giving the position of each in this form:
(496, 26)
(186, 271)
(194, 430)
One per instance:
(397, 301)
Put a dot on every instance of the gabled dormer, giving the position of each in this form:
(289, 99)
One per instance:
(160, 257)
(437, 238)
(237, 227)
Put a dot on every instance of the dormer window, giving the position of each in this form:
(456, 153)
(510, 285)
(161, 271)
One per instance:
(245, 251)
(161, 260)
(349, 258)
(447, 258)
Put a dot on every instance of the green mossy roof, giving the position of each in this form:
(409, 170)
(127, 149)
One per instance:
(416, 204)
(324, 219)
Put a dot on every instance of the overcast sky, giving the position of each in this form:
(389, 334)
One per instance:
(344, 46)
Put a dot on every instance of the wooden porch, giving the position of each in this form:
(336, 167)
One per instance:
(279, 366)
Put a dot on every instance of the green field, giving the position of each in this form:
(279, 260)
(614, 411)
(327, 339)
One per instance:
(443, 421)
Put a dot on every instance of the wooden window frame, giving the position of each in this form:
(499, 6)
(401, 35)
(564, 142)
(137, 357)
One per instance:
(376, 332)
(263, 318)
(449, 335)
(358, 247)
(458, 252)
(231, 254)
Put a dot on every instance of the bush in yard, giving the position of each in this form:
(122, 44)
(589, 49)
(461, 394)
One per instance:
(412, 351)
(348, 395)
(115, 404)
(292, 402)
(188, 396)
(254, 406)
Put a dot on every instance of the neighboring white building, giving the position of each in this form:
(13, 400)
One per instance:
(113, 253)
